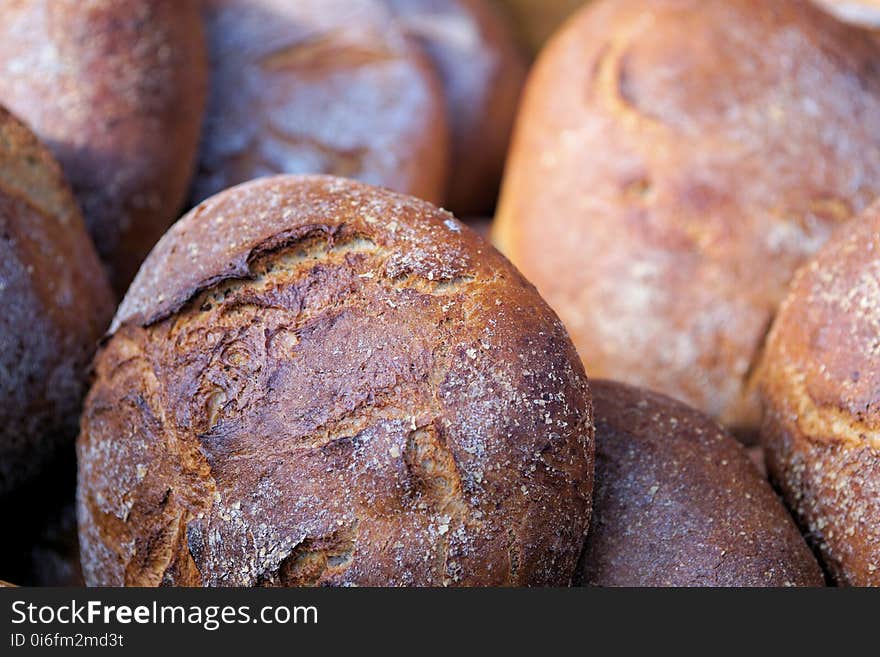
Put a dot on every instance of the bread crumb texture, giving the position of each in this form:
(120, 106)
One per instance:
(317, 382)
(820, 379)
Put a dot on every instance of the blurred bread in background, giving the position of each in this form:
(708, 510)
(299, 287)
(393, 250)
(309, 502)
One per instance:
(673, 163)
(320, 86)
(116, 89)
(482, 68)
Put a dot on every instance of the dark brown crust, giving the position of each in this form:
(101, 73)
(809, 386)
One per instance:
(314, 381)
(55, 304)
(320, 86)
(677, 502)
(116, 88)
(673, 163)
(820, 379)
(482, 70)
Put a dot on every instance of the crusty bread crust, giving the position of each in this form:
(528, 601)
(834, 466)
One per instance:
(674, 161)
(116, 88)
(820, 379)
(314, 381)
(320, 86)
(677, 502)
(56, 304)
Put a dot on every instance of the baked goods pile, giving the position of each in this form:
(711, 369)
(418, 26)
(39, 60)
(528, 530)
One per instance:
(317, 376)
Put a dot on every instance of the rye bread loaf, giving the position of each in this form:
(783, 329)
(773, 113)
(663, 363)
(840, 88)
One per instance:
(315, 381)
(677, 502)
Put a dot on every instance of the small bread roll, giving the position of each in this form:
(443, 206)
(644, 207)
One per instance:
(482, 70)
(820, 378)
(315, 381)
(673, 163)
(860, 12)
(320, 86)
(54, 305)
(677, 502)
(116, 88)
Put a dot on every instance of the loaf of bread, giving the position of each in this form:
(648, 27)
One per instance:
(482, 71)
(537, 20)
(315, 381)
(860, 12)
(116, 88)
(320, 86)
(673, 163)
(54, 305)
(820, 378)
(678, 503)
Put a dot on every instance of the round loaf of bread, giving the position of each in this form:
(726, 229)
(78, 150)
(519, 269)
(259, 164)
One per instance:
(54, 305)
(677, 502)
(320, 86)
(482, 71)
(673, 163)
(820, 378)
(315, 381)
(116, 88)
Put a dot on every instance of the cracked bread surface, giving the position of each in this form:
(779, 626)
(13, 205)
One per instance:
(56, 304)
(317, 382)
(673, 163)
(116, 89)
(320, 87)
(677, 502)
(819, 380)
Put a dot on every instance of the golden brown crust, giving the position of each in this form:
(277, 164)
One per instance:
(677, 502)
(319, 86)
(482, 70)
(677, 160)
(55, 304)
(820, 379)
(116, 88)
(314, 381)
